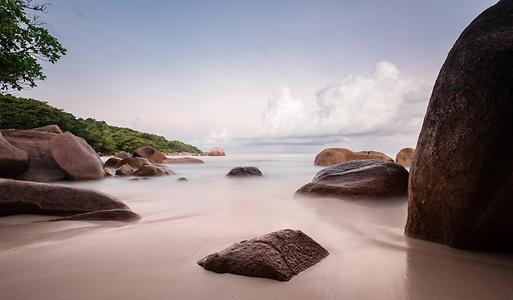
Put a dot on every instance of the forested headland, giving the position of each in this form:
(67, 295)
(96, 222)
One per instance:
(24, 113)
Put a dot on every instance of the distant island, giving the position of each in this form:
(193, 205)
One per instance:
(25, 113)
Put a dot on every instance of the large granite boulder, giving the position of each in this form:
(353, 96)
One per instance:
(461, 184)
(43, 167)
(150, 153)
(13, 161)
(183, 160)
(49, 128)
(405, 157)
(278, 255)
(333, 156)
(359, 178)
(76, 157)
(21, 197)
(244, 172)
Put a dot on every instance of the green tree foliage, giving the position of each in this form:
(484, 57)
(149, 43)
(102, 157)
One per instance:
(23, 44)
(22, 113)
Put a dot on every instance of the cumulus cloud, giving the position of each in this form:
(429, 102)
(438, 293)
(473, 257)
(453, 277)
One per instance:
(382, 102)
(380, 110)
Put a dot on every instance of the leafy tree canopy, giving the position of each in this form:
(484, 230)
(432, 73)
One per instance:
(24, 43)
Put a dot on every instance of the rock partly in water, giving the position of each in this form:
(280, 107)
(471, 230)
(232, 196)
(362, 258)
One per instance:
(43, 167)
(333, 156)
(113, 163)
(152, 170)
(21, 197)
(405, 156)
(13, 161)
(461, 184)
(76, 157)
(244, 171)
(183, 160)
(125, 170)
(49, 128)
(118, 215)
(150, 153)
(217, 151)
(278, 255)
(359, 178)
(135, 162)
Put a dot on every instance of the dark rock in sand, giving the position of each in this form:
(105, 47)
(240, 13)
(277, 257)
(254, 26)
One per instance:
(333, 156)
(150, 153)
(113, 163)
(278, 255)
(13, 161)
(182, 179)
(21, 197)
(76, 157)
(183, 160)
(405, 157)
(43, 167)
(118, 215)
(244, 171)
(125, 170)
(152, 170)
(49, 128)
(461, 184)
(359, 178)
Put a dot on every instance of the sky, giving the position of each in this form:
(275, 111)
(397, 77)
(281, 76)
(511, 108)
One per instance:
(255, 76)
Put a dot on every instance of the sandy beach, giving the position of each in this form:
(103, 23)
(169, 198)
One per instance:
(155, 258)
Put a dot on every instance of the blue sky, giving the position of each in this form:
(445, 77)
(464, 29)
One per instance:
(255, 76)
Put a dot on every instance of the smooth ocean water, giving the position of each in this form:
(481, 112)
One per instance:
(155, 258)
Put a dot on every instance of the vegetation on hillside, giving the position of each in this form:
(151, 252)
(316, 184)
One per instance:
(22, 113)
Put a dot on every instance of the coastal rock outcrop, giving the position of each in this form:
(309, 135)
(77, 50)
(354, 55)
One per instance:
(150, 153)
(152, 170)
(43, 167)
(279, 255)
(113, 163)
(183, 160)
(217, 151)
(21, 197)
(405, 156)
(333, 156)
(13, 161)
(76, 157)
(359, 178)
(136, 166)
(461, 183)
(125, 170)
(244, 171)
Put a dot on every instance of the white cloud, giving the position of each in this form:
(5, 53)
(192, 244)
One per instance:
(381, 102)
(382, 111)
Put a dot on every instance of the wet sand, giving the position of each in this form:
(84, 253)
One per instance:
(155, 258)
